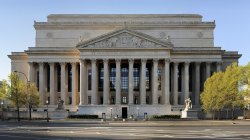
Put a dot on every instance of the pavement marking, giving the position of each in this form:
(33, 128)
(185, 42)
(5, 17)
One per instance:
(26, 137)
(98, 133)
(168, 136)
(160, 130)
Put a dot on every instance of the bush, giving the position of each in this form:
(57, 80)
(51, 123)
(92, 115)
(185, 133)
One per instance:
(84, 116)
(166, 116)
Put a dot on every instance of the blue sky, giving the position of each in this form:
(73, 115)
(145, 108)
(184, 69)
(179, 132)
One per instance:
(232, 18)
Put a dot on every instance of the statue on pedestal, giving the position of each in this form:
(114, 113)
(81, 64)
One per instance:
(188, 103)
(60, 104)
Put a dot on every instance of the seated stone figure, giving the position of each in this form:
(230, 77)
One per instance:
(188, 103)
(60, 104)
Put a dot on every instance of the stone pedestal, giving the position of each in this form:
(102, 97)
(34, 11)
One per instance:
(190, 114)
(58, 114)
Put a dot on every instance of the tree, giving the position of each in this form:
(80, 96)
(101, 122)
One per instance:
(221, 90)
(4, 90)
(30, 97)
(21, 93)
(246, 84)
(210, 99)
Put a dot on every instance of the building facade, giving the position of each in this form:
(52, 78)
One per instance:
(122, 64)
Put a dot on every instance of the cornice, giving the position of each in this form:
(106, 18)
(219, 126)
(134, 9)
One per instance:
(18, 56)
(137, 25)
(52, 51)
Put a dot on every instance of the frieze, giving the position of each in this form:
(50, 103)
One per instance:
(124, 40)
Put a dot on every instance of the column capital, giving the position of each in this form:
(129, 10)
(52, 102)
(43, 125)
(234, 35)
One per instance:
(93, 60)
(167, 60)
(51, 63)
(131, 60)
(155, 60)
(197, 63)
(143, 60)
(105, 60)
(186, 63)
(176, 63)
(62, 63)
(219, 62)
(41, 63)
(208, 62)
(30, 63)
(118, 60)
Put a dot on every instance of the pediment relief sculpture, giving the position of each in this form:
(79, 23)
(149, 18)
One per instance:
(124, 40)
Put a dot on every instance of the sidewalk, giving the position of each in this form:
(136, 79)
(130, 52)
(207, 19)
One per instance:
(132, 123)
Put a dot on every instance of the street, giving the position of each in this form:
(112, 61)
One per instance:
(60, 130)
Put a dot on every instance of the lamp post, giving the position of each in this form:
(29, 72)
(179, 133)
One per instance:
(28, 85)
(2, 110)
(111, 113)
(47, 103)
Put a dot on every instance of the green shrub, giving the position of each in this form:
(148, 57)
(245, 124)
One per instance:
(166, 116)
(83, 116)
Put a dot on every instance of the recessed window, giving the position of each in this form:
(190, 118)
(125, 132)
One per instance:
(124, 100)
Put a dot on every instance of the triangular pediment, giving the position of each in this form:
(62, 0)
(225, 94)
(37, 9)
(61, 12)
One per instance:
(125, 38)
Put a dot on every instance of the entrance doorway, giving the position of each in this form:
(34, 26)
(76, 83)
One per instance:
(124, 112)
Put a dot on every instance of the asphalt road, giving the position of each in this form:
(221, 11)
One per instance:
(128, 130)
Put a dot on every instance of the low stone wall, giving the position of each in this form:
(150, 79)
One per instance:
(37, 114)
(135, 110)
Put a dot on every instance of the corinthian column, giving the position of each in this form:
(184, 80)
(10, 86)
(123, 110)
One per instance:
(131, 81)
(41, 83)
(186, 80)
(106, 94)
(94, 95)
(74, 83)
(197, 83)
(208, 70)
(155, 81)
(118, 81)
(63, 82)
(218, 67)
(83, 83)
(31, 72)
(175, 101)
(52, 83)
(143, 81)
(166, 92)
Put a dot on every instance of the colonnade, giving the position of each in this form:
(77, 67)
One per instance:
(93, 63)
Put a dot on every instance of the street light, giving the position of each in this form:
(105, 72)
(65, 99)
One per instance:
(2, 110)
(28, 84)
(47, 103)
(111, 113)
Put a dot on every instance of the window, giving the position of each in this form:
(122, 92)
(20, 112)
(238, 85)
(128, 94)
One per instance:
(59, 79)
(112, 99)
(112, 78)
(124, 79)
(136, 77)
(159, 79)
(70, 100)
(89, 79)
(89, 99)
(101, 99)
(69, 78)
(136, 100)
(100, 81)
(147, 99)
(159, 100)
(147, 79)
(124, 100)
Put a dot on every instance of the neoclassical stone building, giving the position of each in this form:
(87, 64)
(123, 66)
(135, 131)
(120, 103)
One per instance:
(122, 64)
